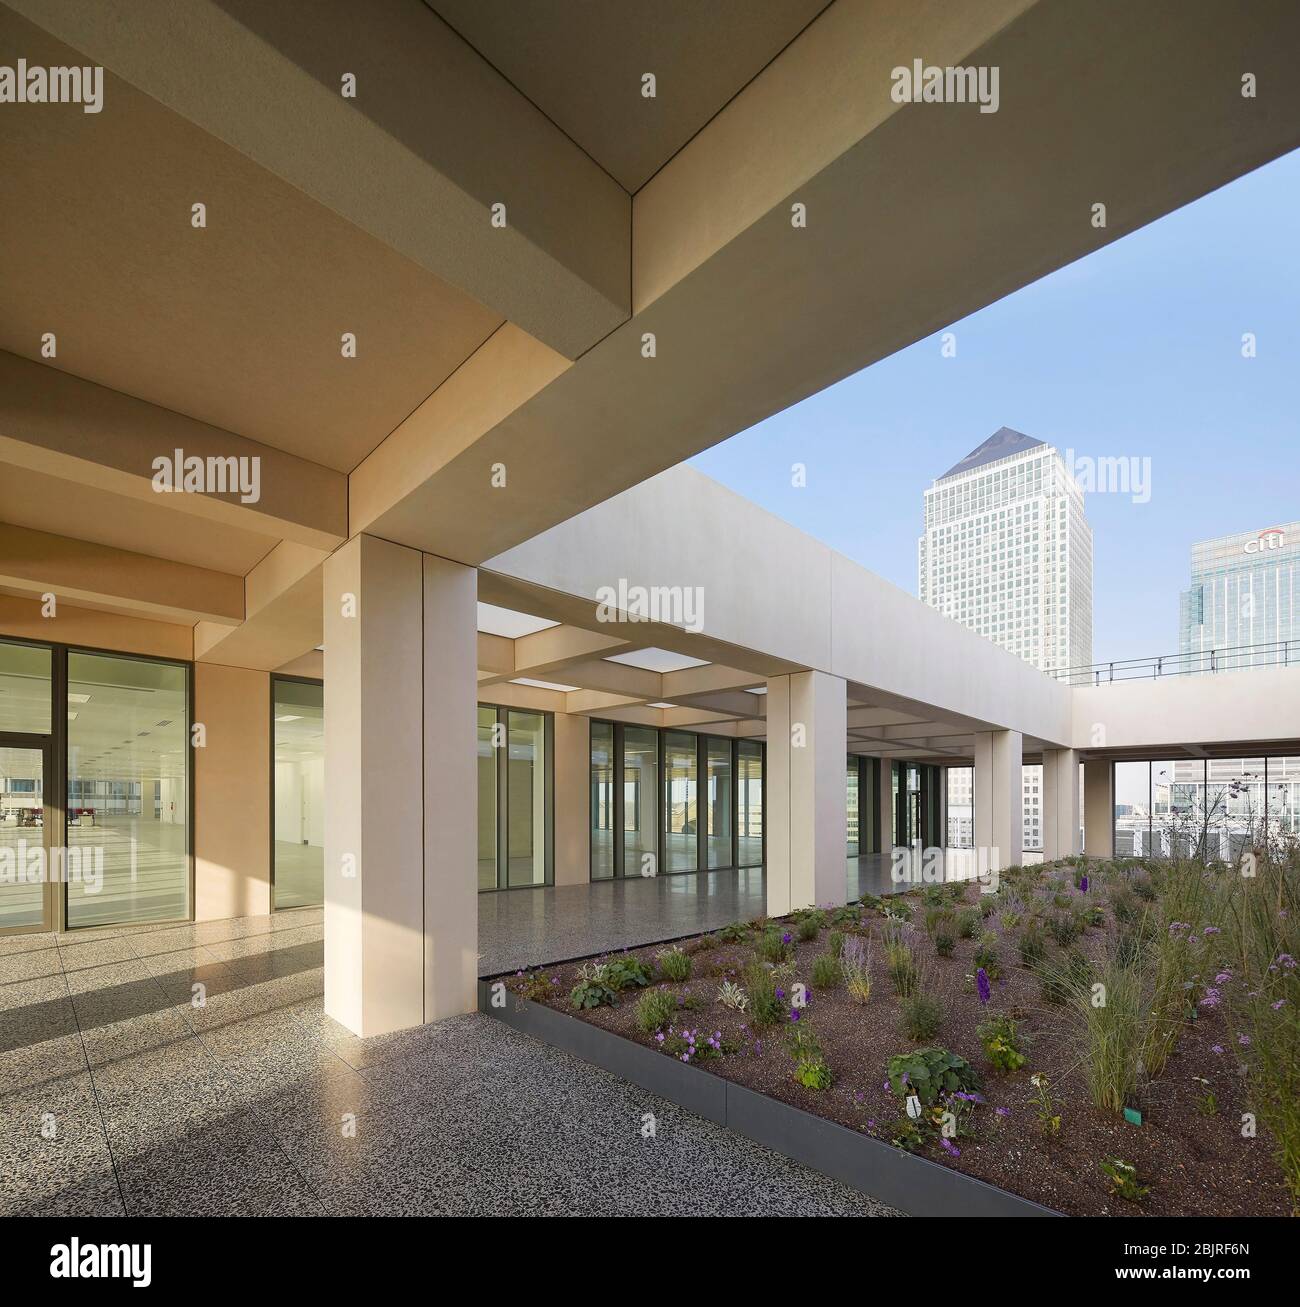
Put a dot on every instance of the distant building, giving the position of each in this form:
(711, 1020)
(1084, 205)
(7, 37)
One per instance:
(1007, 552)
(1245, 591)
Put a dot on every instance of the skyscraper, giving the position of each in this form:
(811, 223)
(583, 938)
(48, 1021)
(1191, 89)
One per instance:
(1007, 552)
(1245, 591)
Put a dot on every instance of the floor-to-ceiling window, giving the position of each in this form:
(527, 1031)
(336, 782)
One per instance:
(719, 801)
(961, 807)
(526, 806)
(128, 787)
(515, 807)
(869, 806)
(26, 695)
(298, 812)
(640, 801)
(486, 760)
(853, 829)
(602, 800)
(749, 805)
(681, 820)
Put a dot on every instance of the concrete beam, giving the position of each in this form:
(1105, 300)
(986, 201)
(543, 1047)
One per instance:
(36, 562)
(433, 137)
(58, 424)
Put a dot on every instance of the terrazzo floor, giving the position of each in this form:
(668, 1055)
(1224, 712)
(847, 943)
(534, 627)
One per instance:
(119, 1095)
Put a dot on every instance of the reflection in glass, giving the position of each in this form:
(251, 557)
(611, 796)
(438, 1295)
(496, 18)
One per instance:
(749, 792)
(961, 807)
(22, 833)
(1132, 809)
(1283, 800)
(526, 799)
(25, 677)
(486, 761)
(640, 805)
(718, 757)
(1234, 806)
(852, 832)
(867, 799)
(682, 823)
(298, 719)
(1031, 789)
(128, 787)
(602, 800)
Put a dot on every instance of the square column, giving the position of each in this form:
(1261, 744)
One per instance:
(1060, 804)
(401, 908)
(807, 733)
(1099, 808)
(998, 799)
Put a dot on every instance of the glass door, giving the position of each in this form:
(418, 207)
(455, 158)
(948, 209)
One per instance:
(27, 896)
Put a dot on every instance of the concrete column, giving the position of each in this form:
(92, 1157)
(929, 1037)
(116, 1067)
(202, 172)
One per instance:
(1060, 803)
(807, 730)
(401, 912)
(1099, 808)
(885, 782)
(999, 799)
(572, 799)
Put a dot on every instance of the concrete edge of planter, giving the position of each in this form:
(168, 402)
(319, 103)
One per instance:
(912, 1184)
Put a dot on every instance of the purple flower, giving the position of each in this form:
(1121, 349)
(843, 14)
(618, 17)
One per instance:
(780, 993)
(1083, 884)
(886, 1085)
(1003, 1111)
(982, 984)
(1223, 977)
(1211, 998)
(1287, 961)
(785, 939)
(1244, 1040)
(1212, 930)
(950, 1147)
(794, 1014)
(1218, 1048)
(1278, 1004)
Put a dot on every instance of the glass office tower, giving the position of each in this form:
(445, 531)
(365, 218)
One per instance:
(1245, 590)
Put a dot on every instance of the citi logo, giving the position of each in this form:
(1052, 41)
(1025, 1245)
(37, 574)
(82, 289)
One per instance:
(103, 1261)
(1271, 537)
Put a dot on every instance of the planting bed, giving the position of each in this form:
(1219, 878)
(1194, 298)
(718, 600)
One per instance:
(1189, 1152)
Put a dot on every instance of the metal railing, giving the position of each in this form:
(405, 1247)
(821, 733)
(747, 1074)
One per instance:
(1236, 658)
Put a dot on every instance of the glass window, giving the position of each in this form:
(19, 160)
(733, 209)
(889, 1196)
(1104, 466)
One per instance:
(25, 688)
(1031, 790)
(602, 800)
(1283, 800)
(1132, 809)
(22, 822)
(868, 798)
(853, 832)
(681, 825)
(749, 790)
(298, 722)
(487, 797)
(526, 799)
(961, 807)
(721, 801)
(1234, 802)
(640, 800)
(128, 723)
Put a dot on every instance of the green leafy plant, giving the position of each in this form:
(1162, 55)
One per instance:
(835, 943)
(807, 928)
(627, 973)
(900, 962)
(1123, 1179)
(826, 973)
(968, 923)
(930, 1072)
(1064, 929)
(593, 988)
(736, 933)
(944, 944)
(733, 996)
(534, 985)
(1049, 1119)
(654, 1010)
(997, 1035)
(899, 909)
(988, 905)
(1144, 888)
(772, 945)
(850, 915)
(675, 964)
(810, 1068)
(986, 956)
(921, 1016)
(1063, 977)
(765, 1009)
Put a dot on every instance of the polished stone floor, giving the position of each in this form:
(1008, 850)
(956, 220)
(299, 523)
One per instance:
(118, 1093)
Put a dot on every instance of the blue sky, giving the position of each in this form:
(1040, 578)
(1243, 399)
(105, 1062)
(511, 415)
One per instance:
(1132, 351)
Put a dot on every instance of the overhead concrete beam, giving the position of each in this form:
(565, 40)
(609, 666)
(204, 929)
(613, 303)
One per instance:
(433, 137)
(61, 425)
(38, 562)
